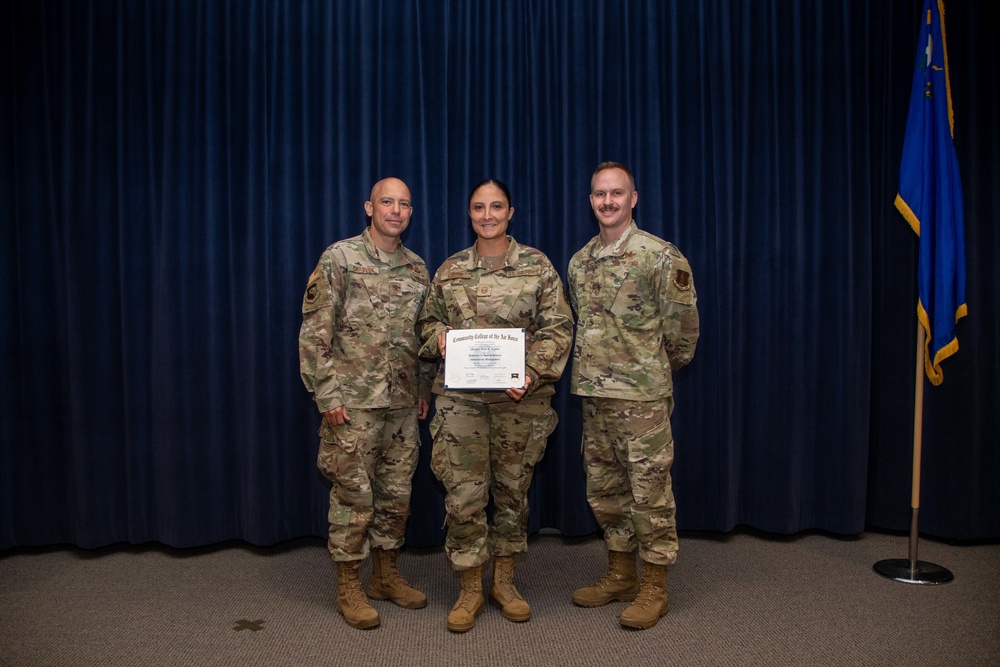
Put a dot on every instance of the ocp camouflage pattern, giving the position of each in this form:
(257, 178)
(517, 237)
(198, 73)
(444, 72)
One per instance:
(481, 448)
(358, 342)
(370, 463)
(637, 316)
(526, 292)
(634, 502)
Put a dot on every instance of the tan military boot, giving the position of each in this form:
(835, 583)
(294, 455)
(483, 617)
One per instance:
(470, 601)
(504, 594)
(619, 583)
(388, 584)
(651, 603)
(351, 601)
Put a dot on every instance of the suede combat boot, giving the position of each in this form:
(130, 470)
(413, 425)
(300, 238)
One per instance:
(470, 601)
(388, 584)
(504, 594)
(619, 583)
(351, 601)
(651, 603)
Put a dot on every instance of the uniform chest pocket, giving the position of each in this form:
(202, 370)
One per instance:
(634, 305)
(511, 299)
(365, 303)
(508, 305)
(407, 296)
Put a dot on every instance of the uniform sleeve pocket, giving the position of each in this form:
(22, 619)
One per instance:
(457, 303)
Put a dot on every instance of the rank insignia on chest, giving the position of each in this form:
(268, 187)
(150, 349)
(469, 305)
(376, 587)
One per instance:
(682, 279)
(484, 290)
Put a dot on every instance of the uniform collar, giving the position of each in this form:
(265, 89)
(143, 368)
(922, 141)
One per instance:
(376, 253)
(616, 249)
(510, 256)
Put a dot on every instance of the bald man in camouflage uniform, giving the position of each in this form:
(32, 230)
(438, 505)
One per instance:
(637, 323)
(358, 356)
(490, 441)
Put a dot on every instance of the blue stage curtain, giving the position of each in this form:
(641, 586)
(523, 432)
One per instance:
(172, 171)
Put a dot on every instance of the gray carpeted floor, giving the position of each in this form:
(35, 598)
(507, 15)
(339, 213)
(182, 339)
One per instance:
(739, 599)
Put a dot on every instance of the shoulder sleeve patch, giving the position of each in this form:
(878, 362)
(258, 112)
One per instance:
(682, 279)
(317, 293)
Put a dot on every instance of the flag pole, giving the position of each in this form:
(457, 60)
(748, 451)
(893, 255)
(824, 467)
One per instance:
(910, 570)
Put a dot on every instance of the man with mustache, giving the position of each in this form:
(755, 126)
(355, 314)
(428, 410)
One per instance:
(358, 357)
(637, 323)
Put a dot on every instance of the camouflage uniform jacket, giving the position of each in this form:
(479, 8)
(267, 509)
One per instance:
(637, 316)
(358, 343)
(526, 292)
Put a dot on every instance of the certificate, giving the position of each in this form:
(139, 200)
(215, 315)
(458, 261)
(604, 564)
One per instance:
(484, 359)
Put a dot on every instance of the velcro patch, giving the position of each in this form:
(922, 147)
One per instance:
(312, 292)
(317, 293)
(369, 270)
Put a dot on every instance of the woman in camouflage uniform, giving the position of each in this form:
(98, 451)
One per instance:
(489, 441)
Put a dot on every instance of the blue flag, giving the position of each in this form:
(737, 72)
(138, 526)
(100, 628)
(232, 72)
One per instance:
(930, 194)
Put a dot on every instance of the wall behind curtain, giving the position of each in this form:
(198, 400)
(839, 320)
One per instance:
(172, 172)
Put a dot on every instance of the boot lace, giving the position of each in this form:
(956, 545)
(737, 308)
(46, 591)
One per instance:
(466, 600)
(351, 590)
(647, 591)
(610, 578)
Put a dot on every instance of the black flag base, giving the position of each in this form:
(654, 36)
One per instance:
(913, 572)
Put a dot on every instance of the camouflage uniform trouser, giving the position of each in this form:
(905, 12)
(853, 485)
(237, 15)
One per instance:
(481, 448)
(370, 462)
(628, 449)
